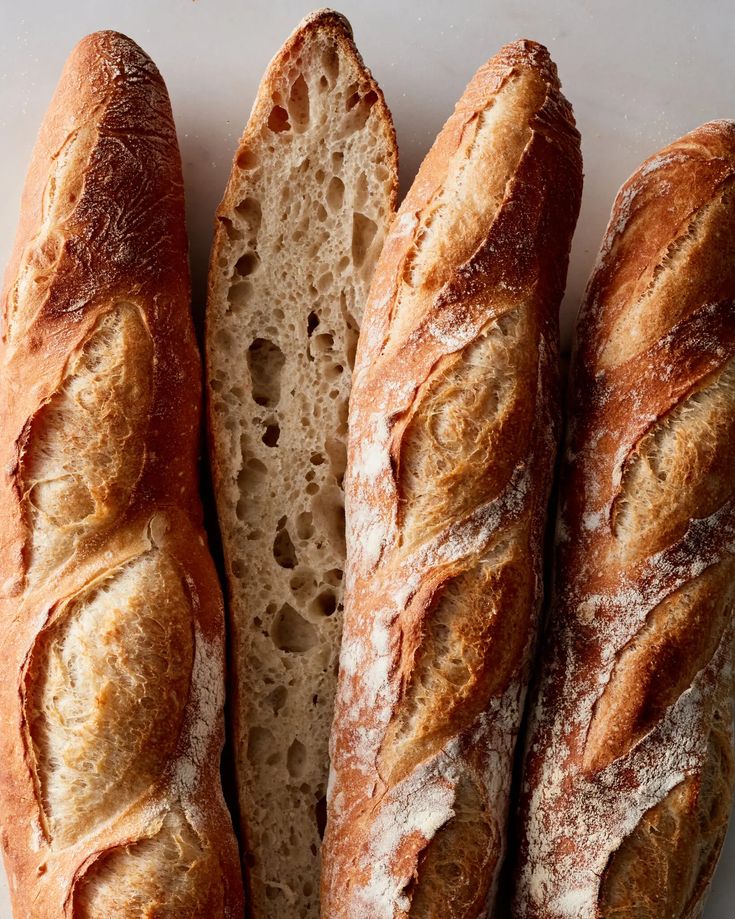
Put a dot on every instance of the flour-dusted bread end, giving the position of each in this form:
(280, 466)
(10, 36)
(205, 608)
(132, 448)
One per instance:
(453, 421)
(312, 192)
(111, 615)
(630, 764)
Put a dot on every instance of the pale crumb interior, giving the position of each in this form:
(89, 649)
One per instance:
(311, 200)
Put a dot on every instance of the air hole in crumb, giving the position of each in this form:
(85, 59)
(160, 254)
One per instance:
(363, 233)
(272, 433)
(277, 698)
(329, 515)
(324, 604)
(302, 579)
(247, 159)
(296, 759)
(316, 459)
(249, 479)
(320, 812)
(312, 488)
(238, 568)
(260, 743)
(239, 294)
(224, 339)
(337, 453)
(304, 525)
(351, 349)
(278, 120)
(361, 191)
(265, 362)
(333, 576)
(335, 193)
(322, 343)
(298, 103)
(291, 632)
(330, 64)
(232, 231)
(311, 323)
(247, 264)
(358, 111)
(250, 211)
(284, 551)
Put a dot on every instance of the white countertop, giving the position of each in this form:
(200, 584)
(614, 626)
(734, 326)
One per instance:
(639, 73)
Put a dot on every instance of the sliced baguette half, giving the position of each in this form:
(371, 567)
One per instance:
(312, 192)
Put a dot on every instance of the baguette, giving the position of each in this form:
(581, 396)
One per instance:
(453, 428)
(303, 219)
(111, 618)
(629, 770)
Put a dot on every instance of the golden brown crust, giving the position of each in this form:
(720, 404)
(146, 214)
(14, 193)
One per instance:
(630, 748)
(99, 509)
(453, 420)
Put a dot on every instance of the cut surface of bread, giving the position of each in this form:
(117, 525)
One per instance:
(303, 219)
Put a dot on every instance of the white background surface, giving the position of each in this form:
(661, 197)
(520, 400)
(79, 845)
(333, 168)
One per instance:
(638, 72)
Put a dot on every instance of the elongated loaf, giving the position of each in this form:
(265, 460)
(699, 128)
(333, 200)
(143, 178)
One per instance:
(629, 770)
(453, 426)
(303, 219)
(111, 620)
